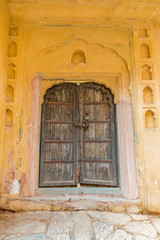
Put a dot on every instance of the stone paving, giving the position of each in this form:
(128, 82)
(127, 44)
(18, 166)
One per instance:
(80, 225)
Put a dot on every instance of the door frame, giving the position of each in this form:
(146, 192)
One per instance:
(78, 106)
(128, 186)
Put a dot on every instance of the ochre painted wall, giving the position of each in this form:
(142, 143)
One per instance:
(44, 50)
(151, 137)
(4, 26)
(63, 40)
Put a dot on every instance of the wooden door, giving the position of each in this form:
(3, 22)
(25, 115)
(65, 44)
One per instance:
(58, 134)
(78, 136)
(98, 155)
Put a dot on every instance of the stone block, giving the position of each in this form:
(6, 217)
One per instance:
(30, 226)
(61, 226)
(139, 217)
(102, 230)
(110, 218)
(83, 228)
(31, 237)
(141, 228)
(41, 215)
(17, 226)
(116, 208)
(140, 237)
(133, 209)
(120, 235)
(156, 223)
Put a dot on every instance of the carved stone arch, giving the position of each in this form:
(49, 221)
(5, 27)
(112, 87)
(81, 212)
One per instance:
(52, 66)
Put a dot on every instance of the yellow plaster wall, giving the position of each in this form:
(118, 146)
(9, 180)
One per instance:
(33, 39)
(4, 25)
(147, 136)
(47, 10)
(151, 137)
(63, 40)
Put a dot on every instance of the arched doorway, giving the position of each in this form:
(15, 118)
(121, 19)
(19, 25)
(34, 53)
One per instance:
(113, 73)
(78, 143)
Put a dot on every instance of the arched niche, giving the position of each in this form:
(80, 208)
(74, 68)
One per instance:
(9, 118)
(148, 95)
(104, 66)
(145, 51)
(11, 71)
(9, 94)
(78, 57)
(150, 120)
(146, 72)
(12, 49)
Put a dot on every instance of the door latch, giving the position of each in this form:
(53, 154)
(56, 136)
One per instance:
(84, 125)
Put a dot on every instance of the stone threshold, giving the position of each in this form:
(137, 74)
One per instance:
(79, 190)
(71, 203)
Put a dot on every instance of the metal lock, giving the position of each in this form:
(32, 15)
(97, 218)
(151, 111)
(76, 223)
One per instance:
(84, 125)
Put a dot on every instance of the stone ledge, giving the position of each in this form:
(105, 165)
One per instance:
(79, 190)
(71, 203)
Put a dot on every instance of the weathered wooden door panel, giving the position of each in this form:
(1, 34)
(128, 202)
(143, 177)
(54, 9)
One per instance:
(58, 137)
(98, 165)
(78, 136)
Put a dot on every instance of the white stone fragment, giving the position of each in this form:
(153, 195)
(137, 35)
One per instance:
(102, 230)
